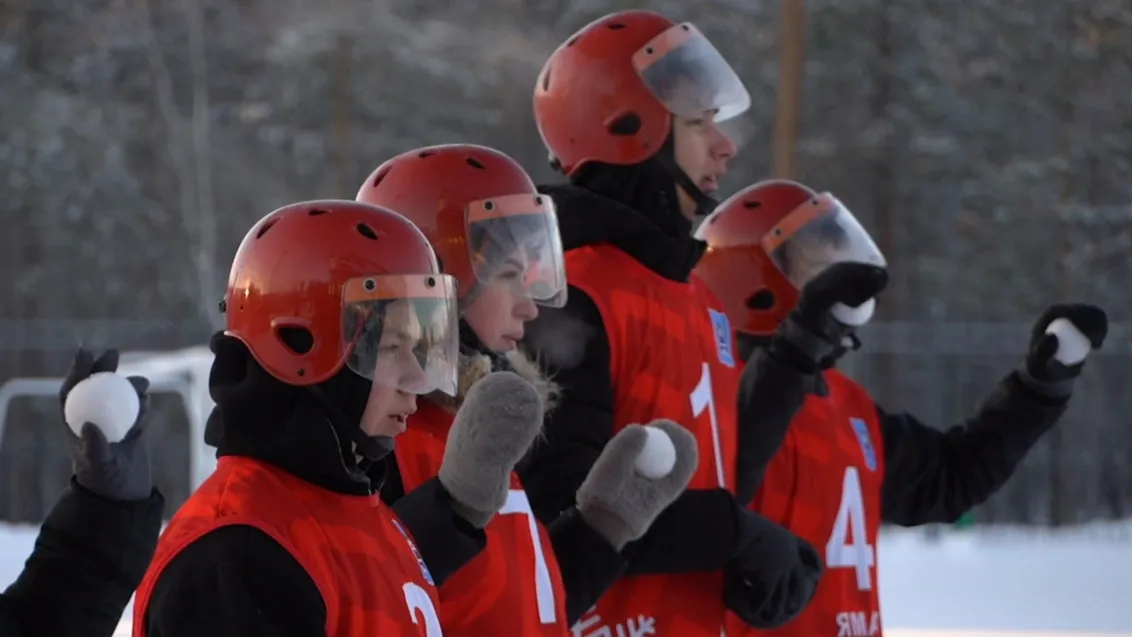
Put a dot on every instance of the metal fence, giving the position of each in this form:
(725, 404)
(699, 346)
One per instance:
(939, 372)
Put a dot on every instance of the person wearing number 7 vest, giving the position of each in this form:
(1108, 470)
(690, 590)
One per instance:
(338, 316)
(499, 237)
(629, 108)
(797, 275)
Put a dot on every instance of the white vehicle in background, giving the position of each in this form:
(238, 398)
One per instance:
(183, 373)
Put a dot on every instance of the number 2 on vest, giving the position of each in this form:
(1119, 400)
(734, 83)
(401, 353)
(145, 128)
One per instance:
(518, 504)
(703, 399)
(855, 553)
(417, 599)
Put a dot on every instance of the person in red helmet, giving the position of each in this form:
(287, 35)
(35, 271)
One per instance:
(337, 318)
(629, 108)
(498, 236)
(773, 250)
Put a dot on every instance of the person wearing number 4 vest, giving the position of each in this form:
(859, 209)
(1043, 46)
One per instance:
(337, 318)
(629, 108)
(845, 464)
(499, 237)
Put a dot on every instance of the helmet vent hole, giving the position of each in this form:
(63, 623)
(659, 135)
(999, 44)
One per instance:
(263, 230)
(297, 339)
(751, 205)
(318, 211)
(625, 126)
(367, 231)
(475, 163)
(616, 26)
(572, 41)
(424, 154)
(761, 300)
(546, 78)
(379, 177)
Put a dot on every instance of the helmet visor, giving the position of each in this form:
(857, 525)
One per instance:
(816, 235)
(513, 242)
(402, 331)
(687, 74)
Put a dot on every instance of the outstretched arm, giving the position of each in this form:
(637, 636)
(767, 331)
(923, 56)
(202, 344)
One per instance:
(934, 475)
(90, 555)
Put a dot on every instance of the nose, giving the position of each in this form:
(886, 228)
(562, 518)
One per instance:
(525, 309)
(413, 376)
(722, 147)
(411, 402)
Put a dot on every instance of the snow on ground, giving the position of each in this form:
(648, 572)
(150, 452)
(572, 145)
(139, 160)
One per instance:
(986, 583)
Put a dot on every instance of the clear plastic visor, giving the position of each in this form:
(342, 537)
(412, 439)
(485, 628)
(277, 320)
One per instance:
(402, 331)
(816, 235)
(689, 76)
(513, 242)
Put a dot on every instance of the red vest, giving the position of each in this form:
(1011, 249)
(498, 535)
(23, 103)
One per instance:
(514, 587)
(364, 564)
(825, 486)
(672, 356)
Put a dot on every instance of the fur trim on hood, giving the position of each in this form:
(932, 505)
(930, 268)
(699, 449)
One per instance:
(476, 366)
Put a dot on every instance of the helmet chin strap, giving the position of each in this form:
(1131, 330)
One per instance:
(704, 203)
(369, 449)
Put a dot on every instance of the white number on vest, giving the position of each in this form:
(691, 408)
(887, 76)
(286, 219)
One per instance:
(703, 399)
(518, 504)
(417, 599)
(855, 553)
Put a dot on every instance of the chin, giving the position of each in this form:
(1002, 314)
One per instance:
(506, 345)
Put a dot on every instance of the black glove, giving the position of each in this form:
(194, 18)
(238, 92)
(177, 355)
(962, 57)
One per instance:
(773, 577)
(1044, 373)
(810, 335)
(116, 471)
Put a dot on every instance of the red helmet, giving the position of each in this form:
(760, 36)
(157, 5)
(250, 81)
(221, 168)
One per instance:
(767, 241)
(609, 92)
(479, 209)
(756, 295)
(319, 285)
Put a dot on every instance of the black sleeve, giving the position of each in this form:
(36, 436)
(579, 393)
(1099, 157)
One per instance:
(571, 345)
(234, 582)
(937, 476)
(696, 533)
(771, 393)
(589, 564)
(90, 555)
(446, 540)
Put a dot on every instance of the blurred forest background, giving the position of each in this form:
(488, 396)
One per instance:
(986, 144)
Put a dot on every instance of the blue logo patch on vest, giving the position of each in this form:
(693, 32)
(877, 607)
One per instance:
(416, 553)
(722, 329)
(861, 428)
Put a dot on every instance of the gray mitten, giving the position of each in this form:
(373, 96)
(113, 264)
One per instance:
(616, 499)
(114, 470)
(494, 428)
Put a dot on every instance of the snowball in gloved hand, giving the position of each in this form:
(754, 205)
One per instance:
(658, 457)
(106, 400)
(854, 316)
(1072, 345)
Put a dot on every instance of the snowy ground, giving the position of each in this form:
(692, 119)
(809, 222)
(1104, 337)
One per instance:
(996, 583)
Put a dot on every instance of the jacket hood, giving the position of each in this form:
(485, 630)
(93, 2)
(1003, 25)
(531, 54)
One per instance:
(588, 218)
(294, 428)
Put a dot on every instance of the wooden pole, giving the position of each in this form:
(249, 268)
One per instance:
(791, 60)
